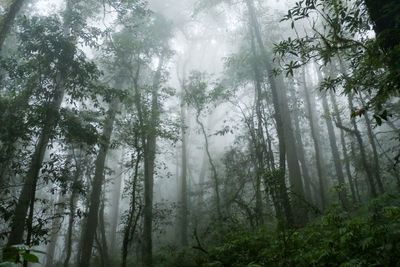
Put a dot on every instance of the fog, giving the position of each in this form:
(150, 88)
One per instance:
(198, 132)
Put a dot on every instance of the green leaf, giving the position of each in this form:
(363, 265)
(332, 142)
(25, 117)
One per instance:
(30, 257)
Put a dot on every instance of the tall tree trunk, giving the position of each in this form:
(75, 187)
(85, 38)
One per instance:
(149, 159)
(115, 209)
(315, 134)
(55, 228)
(371, 137)
(27, 195)
(213, 168)
(301, 152)
(8, 20)
(286, 143)
(346, 155)
(259, 140)
(71, 219)
(130, 226)
(92, 218)
(103, 237)
(26, 199)
(183, 218)
(363, 154)
(335, 153)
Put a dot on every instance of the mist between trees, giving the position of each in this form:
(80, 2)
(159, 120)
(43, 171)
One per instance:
(199, 133)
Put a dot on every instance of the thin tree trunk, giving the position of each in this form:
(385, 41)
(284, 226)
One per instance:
(183, 187)
(370, 133)
(301, 152)
(130, 226)
(363, 155)
(335, 153)
(315, 134)
(344, 148)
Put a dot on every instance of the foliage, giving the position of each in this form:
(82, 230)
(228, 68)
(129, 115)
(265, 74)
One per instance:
(20, 253)
(336, 239)
(341, 30)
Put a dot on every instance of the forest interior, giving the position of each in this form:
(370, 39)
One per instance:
(199, 133)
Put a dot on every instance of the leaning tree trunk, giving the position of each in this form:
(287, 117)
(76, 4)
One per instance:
(97, 183)
(28, 192)
(27, 196)
(8, 20)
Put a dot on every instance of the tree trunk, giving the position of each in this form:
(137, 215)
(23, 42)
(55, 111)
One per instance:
(149, 159)
(286, 143)
(183, 218)
(315, 134)
(28, 192)
(335, 154)
(370, 133)
(363, 155)
(344, 147)
(115, 209)
(55, 228)
(103, 237)
(130, 226)
(92, 218)
(8, 20)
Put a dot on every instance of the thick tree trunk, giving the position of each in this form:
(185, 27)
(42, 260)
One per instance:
(115, 210)
(8, 20)
(92, 218)
(102, 230)
(149, 159)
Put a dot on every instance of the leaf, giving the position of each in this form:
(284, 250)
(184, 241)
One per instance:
(30, 257)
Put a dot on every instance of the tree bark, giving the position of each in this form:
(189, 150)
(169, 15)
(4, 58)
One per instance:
(8, 20)
(149, 159)
(183, 218)
(92, 218)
